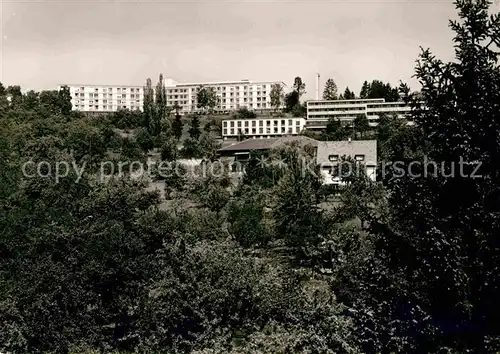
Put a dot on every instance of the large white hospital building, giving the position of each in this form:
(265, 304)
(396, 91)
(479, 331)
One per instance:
(231, 95)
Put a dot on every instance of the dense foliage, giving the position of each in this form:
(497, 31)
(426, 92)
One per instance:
(95, 260)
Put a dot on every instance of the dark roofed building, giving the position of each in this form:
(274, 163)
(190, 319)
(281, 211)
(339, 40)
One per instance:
(240, 152)
(264, 144)
(328, 153)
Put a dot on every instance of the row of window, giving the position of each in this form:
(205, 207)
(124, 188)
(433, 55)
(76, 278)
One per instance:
(388, 105)
(248, 131)
(246, 88)
(405, 112)
(335, 158)
(220, 105)
(91, 102)
(350, 115)
(104, 108)
(373, 106)
(219, 100)
(105, 95)
(237, 95)
(340, 116)
(220, 88)
(109, 89)
(340, 109)
(81, 104)
(246, 123)
(337, 102)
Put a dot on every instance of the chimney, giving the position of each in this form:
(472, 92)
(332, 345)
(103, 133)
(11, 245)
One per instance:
(317, 87)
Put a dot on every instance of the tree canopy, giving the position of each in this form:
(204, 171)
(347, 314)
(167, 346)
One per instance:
(187, 257)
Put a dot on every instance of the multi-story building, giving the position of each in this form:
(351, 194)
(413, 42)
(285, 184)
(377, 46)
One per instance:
(319, 112)
(105, 98)
(264, 127)
(231, 96)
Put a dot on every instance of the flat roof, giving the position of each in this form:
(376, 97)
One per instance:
(100, 85)
(262, 117)
(268, 143)
(172, 83)
(251, 144)
(242, 82)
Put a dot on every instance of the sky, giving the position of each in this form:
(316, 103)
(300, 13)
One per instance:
(46, 43)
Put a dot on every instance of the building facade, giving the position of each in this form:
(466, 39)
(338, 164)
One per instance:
(319, 112)
(105, 98)
(329, 154)
(231, 96)
(264, 127)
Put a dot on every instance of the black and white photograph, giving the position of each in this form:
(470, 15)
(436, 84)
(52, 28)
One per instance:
(249, 176)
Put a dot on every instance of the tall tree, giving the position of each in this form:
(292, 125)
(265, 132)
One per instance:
(348, 94)
(404, 92)
(16, 96)
(336, 131)
(177, 126)
(436, 270)
(246, 219)
(169, 151)
(207, 128)
(330, 92)
(194, 130)
(241, 135)
(361, 124)
(144, 139)
(31, 99)
(377, 89)
(149, 106)
(208, 146)
(160, 105)
(299, 86)
(207, 98)
(391, 131)
(64, 100)
(277, 96)
(291, 101)
(365, 90)
(299, 221)
(177, 108)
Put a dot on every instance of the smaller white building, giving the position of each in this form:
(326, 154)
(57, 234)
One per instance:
(263, 127)
(330, 153)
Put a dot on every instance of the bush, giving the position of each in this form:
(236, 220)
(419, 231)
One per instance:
(245, 113)
(328, 190)
(169, 150)
(144, 140)
(126, 119)
(246, 219)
